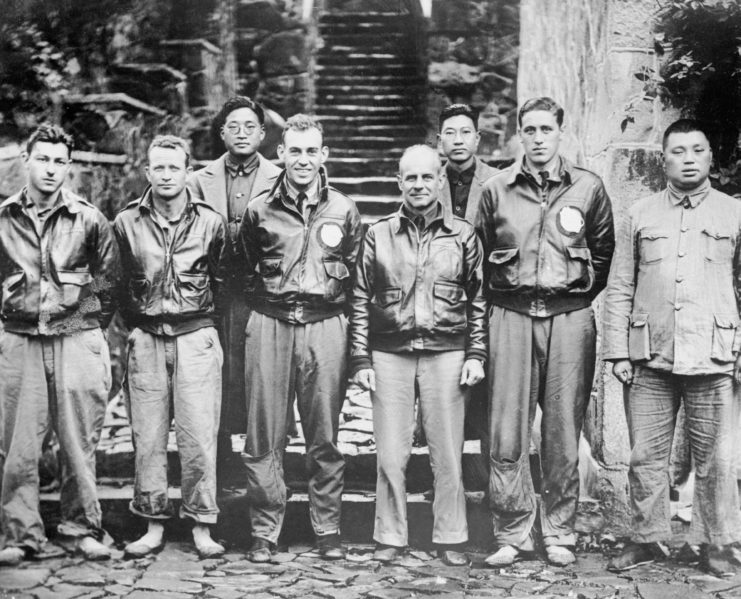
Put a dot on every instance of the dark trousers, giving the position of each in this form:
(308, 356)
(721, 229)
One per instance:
(546, 361)
(307, 363)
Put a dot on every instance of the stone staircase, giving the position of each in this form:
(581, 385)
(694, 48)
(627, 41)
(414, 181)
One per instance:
(370, 97)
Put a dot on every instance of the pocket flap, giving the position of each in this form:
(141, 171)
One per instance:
(503, 255)
(67, 277)
(270, 267)
(716, 234)
(653, 234)
(389, 296)
(638, 320)
(579, 252)
(453, 294)
(725, 321)
(13, 280)
(196, 280)
(336, 270)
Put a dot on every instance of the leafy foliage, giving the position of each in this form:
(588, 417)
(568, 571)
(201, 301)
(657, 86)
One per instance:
(701, 74)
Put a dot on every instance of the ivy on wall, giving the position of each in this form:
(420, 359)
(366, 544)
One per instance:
(700, 41)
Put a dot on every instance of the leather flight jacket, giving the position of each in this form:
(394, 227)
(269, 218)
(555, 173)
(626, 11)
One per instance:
(418, 290)
(62, 280)
(299, 269)
(171, 288)
(547, 248)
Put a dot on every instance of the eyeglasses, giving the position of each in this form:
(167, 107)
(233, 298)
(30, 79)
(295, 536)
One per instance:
(234, 127)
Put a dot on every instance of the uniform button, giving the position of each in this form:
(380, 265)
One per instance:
(682, 254)
(239, 195)
(684, 229)
(678, 307)
(680, 278)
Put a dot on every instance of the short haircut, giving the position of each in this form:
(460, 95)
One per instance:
(418, 147)
(301, 122)
(683, 126)
(52, 134)
(456, 110)
(235, 103)
(171, 142)
(541, 103)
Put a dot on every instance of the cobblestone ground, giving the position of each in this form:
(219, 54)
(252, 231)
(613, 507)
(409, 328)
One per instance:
(176, 573)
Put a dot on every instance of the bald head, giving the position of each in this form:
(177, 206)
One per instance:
(419, 176)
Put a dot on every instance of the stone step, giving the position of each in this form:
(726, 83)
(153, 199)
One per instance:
(379, 41)
(324, 89)
(361, 167)
(351, 77)
(358, 515)
(344, 99)
(367, 142)
(371, 209)
(400, 127)
(367, 70)
(366, 186)
(354, 109)
(340, 17)
(369, 153)
(364, 59)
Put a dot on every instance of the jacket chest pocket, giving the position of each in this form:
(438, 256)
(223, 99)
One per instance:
(718, 246)
(580, 270)
(653, 246)
(270, 273)
(385, 310)
(74, 287)
(194, 290)
(14, 292)
(336, 274)
(504, 266)
(449, 305)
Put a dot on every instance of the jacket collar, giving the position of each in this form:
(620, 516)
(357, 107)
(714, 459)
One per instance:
(71, 201)
(564, 172)
(444, 216)
(277, 191)
(144, 203)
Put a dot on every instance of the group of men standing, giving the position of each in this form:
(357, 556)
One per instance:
(480, 286)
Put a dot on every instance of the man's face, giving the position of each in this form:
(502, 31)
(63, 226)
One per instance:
(302, 154)
(419, 179)
(687, 158)
(167, 172)
(242, 133)
(48, 165)
(458, 139)
(540, 135)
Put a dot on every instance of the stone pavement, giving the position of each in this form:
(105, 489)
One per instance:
(176, 573)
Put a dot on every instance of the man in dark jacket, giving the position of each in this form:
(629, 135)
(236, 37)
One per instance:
(58, 266)
(298, 245)
(172, 252)
(227, 185)
(418, 320)
(546, 226)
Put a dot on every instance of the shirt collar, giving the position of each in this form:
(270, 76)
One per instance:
(236, 169)
(560, 171)
(61, 200)
(694, 196)
(465, 176)
(443, 214)
(312, 193)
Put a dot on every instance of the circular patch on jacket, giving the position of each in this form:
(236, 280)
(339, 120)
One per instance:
(570, 221)
(331, 234)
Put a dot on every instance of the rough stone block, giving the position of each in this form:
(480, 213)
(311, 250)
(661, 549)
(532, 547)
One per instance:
(283, 53)
(631, 23)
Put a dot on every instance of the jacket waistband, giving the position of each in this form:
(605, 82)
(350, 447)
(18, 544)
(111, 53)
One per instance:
(540, 307)
(298, 312)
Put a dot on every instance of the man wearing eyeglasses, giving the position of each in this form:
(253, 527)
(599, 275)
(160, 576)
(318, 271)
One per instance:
(228, 184)
(59, 267)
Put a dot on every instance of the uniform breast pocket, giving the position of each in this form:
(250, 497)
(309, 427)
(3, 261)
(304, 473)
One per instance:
(504, 264)
(653, 246)
(718, 246)
(449, 305)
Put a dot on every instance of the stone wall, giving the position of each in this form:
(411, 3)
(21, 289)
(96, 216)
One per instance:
(472, 50)
(590, 65)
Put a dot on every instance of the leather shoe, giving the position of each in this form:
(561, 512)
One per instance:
(261, 551)
(450, 557)
(330, 547)
(632, 556)
(715, 560)
(136, 549)
(387, 553)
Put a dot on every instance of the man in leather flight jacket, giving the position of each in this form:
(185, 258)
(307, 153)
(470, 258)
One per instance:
(173, 249)
(298, 245)
(418, 319)
(59, 267)
(547, 231)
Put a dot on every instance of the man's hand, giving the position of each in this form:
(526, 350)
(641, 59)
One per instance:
(623, 371)
(472, 372)
(737, 370)
(365, 378)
